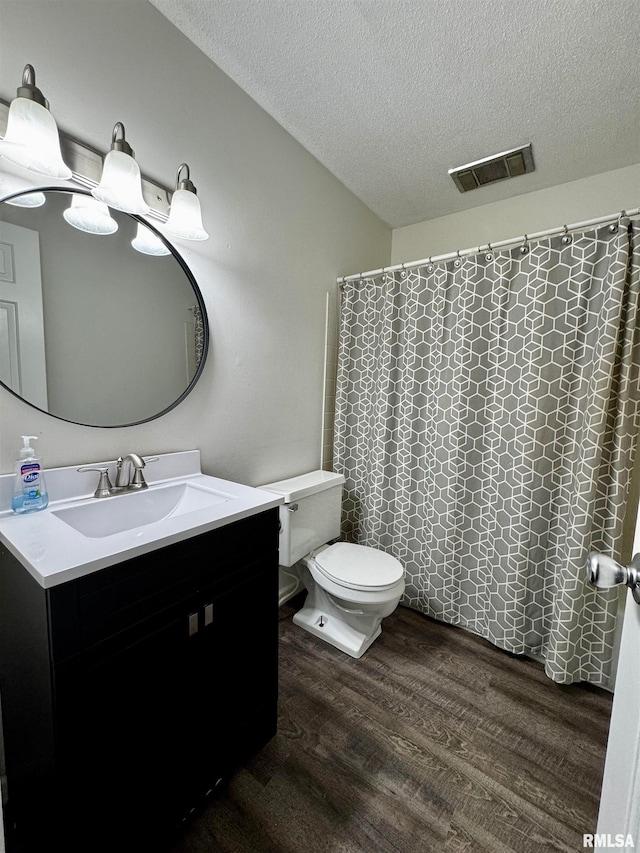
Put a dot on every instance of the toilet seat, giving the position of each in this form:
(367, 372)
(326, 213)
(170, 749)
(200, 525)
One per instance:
(358, 567)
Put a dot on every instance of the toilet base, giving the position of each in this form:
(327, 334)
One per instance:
(350, 626)
(334, 631)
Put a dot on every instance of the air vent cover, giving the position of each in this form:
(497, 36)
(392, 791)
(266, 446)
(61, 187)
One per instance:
(498, 167)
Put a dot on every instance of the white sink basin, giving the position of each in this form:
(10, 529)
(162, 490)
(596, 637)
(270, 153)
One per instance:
(132, 510)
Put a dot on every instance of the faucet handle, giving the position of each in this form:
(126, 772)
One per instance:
(105, 489)
(137, 480)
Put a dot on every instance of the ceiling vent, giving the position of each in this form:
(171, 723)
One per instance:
(498, 167)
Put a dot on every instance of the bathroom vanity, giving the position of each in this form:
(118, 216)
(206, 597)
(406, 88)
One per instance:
(131, 690)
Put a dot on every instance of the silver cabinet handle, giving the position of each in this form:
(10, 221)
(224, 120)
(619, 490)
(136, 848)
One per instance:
(292, 508)
(605, 573)
(193, 624)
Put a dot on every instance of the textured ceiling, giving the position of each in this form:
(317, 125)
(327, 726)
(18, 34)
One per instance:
(390, 94)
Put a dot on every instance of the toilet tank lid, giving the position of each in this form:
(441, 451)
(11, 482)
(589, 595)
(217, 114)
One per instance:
(299, 487)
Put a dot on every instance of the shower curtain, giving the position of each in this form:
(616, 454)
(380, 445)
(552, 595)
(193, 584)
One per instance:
(487, 412)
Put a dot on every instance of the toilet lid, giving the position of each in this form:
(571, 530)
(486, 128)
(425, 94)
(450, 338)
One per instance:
(359, 566)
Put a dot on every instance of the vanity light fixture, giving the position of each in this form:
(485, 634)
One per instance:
(32, 140)
(121, 183)
(148, 243)
(91, 216)
(36, 199)
(185, 215)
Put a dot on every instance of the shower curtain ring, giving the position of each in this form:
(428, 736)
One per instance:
(525, 246)
(615, 225)
(429, 265)
(566, 237)
(489, 255)
(457, 261)
(403, 274)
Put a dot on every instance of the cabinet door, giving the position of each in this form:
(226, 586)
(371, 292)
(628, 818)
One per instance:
(238, 665)
(125, 733)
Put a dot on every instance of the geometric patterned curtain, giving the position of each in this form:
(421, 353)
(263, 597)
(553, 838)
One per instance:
(487, 413)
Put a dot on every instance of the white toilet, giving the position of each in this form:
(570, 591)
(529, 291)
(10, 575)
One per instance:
(351, 588)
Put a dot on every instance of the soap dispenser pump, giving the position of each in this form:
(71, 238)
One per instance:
(29, 490)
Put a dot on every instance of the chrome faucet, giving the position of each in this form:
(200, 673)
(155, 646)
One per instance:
(123, 483)
(137, 480)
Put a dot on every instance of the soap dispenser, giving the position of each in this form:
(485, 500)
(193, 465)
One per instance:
(29, 490)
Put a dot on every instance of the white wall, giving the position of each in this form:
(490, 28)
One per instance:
(565, 204)
(282, 229)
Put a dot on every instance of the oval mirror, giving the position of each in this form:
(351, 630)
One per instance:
(93, 330)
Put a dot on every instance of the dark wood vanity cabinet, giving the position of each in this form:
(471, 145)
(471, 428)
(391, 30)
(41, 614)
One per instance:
(128, 695)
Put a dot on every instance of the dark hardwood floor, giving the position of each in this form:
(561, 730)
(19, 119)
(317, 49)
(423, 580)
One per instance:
(433, 741)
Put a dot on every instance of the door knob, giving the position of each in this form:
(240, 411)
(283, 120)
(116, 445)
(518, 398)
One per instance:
(605, 573)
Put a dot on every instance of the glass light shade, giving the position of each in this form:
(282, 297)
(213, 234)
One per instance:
(148, 243)
(32, 140)
(27, 200)
(185, 217)
(120, 186)
(87, 214)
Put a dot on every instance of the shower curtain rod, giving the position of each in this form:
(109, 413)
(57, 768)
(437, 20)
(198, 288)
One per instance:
(490, 247)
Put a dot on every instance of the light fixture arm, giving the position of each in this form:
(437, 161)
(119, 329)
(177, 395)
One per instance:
(118, 142)
(29, 90)
(185, 183)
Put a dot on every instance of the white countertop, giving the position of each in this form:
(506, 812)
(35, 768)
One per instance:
(53, 552)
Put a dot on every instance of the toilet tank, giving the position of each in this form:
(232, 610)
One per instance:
(311, 513)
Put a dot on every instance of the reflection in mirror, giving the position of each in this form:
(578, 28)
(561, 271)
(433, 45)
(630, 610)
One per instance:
(91, 329)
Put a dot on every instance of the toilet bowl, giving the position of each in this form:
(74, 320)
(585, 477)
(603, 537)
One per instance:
(350, 588)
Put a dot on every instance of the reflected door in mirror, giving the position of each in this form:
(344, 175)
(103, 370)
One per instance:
(22, 361)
